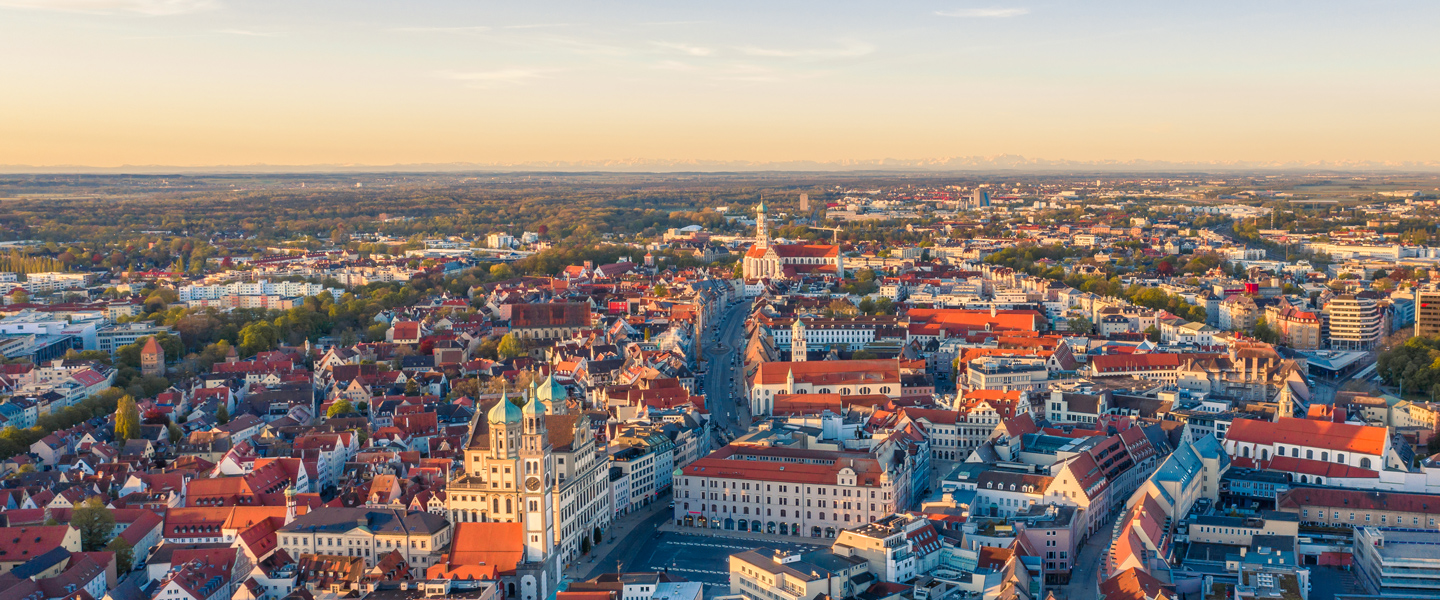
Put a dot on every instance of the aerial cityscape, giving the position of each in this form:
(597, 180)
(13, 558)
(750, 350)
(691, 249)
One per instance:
(780, 301)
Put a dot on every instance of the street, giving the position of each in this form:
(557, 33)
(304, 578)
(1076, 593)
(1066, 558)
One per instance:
(1082, 584)
(626, 537)
(700, 558)
(720, 392)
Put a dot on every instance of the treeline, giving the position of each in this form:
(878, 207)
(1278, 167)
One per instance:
(15, 441)
(17, 262)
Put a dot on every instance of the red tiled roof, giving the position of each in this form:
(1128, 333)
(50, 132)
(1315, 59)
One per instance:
(831, 372)
(1358, 499)
(1305, 432)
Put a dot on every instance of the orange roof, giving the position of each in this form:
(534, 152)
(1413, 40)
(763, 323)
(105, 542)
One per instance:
(1025, 320)
(151, 346)
(1011, 395)
(1306, 432)
(1133, 584)
(482, 551)
(806, 250)
(830, 372)
(1114, 363)
(725, 464)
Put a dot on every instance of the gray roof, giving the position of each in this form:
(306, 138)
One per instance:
(377, 521)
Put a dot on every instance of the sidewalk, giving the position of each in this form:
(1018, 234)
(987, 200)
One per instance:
(617, 537)
(773, 538)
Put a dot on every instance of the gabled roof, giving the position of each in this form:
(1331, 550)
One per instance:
(1305, 432)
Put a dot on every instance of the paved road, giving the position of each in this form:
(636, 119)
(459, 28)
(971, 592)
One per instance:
(699, 558)
(720, 393)
(1082, 576)
(627, 536)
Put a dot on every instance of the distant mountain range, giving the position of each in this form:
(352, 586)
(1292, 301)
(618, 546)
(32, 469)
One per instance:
(1003, 162)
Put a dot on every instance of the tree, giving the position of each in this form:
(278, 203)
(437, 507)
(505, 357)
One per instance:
(1264, 333)
(841, 307)
(175, 433)
(222, 415)
(585, 545)
(95, 522)
(1152, 334)
(867, 306)
(124, 554)
(510, 347)
(884, 306)
(1079, 324)
(501, 272)
(412, 387)
(127, 419)
(340, 407)
(660, 291)
(597, 535)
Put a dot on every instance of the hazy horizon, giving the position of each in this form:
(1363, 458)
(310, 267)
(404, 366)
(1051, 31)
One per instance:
(942, 85)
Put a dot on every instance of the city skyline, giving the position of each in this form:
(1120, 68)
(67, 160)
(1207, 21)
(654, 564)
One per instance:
(194, 83)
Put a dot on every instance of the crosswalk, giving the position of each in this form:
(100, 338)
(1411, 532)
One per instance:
(680, 570)
(703, 545)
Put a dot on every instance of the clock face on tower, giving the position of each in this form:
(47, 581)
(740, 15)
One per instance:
(532, 483)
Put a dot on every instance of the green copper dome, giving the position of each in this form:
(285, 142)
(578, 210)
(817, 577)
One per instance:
(504, 411)
(551, 390)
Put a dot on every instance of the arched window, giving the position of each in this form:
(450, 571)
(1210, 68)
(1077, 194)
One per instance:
(1245, 452)
(1340, 458)
(1295, 452)
(1264, 454)
(1310, 455)
(1365, 463)
(1325, 456)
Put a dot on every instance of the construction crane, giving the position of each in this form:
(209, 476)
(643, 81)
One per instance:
(834, 238)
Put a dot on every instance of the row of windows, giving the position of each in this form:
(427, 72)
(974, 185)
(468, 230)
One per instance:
(725, 508)
(334, 541)
(1384, 519)
(784, 489)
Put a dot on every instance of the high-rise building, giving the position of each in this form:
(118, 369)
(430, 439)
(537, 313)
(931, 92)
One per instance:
(1355, 323)
(804, 203)
(1427, 313)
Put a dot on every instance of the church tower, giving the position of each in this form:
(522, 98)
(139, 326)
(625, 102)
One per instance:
(537, 502)
(762, 230)
(798, 347)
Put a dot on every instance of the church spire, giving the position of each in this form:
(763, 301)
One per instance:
(762, 231)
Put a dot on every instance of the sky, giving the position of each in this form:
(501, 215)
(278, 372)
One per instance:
(107, 83)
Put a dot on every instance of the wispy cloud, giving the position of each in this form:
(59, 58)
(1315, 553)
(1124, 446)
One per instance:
(686, 48)
(675, 65)
(462, 29)
(849, 51)
(983, 13)
(498, 77)
(539, 25)
(144, 7)
(247, 32)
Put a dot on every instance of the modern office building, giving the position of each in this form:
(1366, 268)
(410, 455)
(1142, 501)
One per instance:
(1355, 323)
(1427, 313)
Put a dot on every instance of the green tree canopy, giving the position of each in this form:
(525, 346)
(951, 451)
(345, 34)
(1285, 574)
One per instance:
(339, 407)
(510, 347)
(127, 419)
(95, 522)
